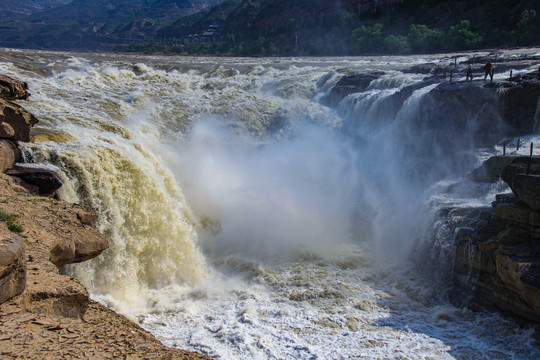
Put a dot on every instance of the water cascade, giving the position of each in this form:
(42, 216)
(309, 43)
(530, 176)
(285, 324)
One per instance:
(249, 218)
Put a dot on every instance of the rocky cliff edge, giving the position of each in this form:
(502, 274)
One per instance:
(45, 314)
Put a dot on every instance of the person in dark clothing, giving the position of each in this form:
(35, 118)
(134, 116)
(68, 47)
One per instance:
(469, 72)
(488, 70)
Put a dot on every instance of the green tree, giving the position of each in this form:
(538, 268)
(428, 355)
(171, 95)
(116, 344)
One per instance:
(527, 29)
(462, 36)
(369, 39)
(423, 39)
(396, 44)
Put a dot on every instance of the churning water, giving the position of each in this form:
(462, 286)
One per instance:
(249, 220)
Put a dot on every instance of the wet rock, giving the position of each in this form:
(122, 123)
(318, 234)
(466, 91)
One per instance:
(47, 181)
(491, 169)
(503, 272)
(465, 112)
(9, 154)
(452, 117)
(12, 266)
(350, 84)
(12, 89)
(527, 189)
(520, 165)
(519, 102)
(15, 121)
(519, 271)
(424, 69)
(519, 213)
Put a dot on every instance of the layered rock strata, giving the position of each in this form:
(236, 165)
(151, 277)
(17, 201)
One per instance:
(497, 263)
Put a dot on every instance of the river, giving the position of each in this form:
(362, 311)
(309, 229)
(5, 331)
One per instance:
(249, 220)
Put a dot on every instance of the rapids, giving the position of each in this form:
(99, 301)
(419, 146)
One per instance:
(249, 220)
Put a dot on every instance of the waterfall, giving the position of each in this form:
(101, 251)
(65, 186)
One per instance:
(247, 219)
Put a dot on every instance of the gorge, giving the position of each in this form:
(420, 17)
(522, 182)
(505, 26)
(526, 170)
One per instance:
(288, 207)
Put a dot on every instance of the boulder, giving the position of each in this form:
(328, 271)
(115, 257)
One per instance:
(12, 266)
(9, 154)
(20, 186)
(519, 166)
(74, 249)
(47, 181)
(12, 89)
(15, 121)
(527, 189)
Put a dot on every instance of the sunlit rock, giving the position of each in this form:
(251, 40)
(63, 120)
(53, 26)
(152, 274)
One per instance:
(12, 265)
(15, 121)
(12, 89)
(9, 154)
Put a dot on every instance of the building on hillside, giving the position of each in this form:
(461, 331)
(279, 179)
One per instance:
(211, 35)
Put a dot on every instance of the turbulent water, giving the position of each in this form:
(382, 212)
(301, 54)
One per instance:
(249, 220)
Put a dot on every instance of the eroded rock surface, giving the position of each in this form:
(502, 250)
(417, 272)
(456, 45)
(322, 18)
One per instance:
(497, 263)
(12, 265)
(12, 89)
(9, 154)
(15, 121)
(54, 236)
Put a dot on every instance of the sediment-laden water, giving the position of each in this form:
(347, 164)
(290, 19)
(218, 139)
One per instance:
(249, 220)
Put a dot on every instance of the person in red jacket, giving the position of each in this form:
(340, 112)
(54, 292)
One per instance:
(488, 71)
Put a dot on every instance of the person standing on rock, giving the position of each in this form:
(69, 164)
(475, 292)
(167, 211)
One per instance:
(469, 72)
(488, 71)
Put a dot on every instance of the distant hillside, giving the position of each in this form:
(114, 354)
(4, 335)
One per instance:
(18, 8)
(339, 27)
(96, 24)
(274, 27)
(199, 22)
